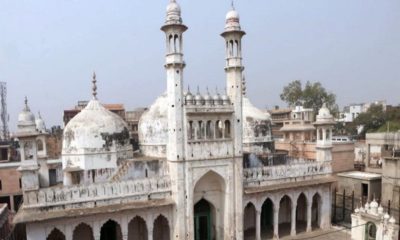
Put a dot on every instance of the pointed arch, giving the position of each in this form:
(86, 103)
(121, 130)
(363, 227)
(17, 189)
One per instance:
(56, 234)
(137, 229)
(285, 215)
(301, 213)
(249, 220)
(210, 188)
(111, 230)
(267, 218)
(82, 232)
(161, 229)
(316, 211)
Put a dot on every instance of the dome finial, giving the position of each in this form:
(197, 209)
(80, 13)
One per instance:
(233, 5)
(26, 108)
(198, 90)
(94, 88)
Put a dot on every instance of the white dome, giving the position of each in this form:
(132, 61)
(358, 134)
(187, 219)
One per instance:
(26, 120)
(233, 14)
(40, 125)
(173, 7)
(324, 116)
(153, 128)
(256, 128)
(95, 130)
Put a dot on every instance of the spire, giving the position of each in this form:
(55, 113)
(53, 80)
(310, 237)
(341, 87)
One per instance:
(94, 88)
(233, 5)
(198, 90)
(26, 108)
(188, 88)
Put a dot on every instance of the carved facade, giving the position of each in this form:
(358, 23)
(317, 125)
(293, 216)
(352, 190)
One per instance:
(190, 180)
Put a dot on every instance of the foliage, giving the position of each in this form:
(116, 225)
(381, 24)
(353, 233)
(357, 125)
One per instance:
(314, 95)
(376, 119)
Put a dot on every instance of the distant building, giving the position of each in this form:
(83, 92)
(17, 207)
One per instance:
(132, 119)
(118, 109)
(300, 138)
(352, 111)
(278, 117)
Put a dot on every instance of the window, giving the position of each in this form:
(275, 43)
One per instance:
(218, 129)
(1, 185)
(39, 145)
(227, 129)
(20, 183)
(370, 231)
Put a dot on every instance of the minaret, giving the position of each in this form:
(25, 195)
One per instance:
(174, 65)
(234, 68)
(234, 88)
(324, 125)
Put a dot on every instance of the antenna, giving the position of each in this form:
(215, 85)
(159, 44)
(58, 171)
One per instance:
(4, 132)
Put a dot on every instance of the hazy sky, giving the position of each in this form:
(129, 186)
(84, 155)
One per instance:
(49, 49)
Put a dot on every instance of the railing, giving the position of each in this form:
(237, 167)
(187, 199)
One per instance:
(99, 194)
(299, 170)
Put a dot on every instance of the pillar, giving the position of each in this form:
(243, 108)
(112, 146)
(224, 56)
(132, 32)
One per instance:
(309, 204)
(150, 232)
(293, 223)
(276, 221)
(68, 232)
(258, 223)
(12, 203)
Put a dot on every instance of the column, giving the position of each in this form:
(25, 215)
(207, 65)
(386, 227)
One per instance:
(68, 232)
(258, 223)
(309, 217)
(150, 232)
(12, 204)
(293, 226)
(276, 221)
(317, 134)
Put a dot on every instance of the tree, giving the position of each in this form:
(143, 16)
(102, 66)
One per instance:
(314, 95)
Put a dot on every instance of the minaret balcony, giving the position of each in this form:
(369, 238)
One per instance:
(234, 62)
(174, 58)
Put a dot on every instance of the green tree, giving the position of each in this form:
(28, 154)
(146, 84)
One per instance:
(371, 120)
(314, 95)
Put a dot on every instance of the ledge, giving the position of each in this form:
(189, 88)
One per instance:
(34, 215)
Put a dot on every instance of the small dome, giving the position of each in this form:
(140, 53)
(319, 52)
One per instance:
(95, 130)
(26, 119)
(173, 7)
(324, 116)
(173, 13)
(392, 220)
(232, 15)
(374, 204)
(153, 128)
(40, 125)
(256, 129)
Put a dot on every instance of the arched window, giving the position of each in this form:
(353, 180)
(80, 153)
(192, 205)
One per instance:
(236, 49)
(170, 44)
(209, 130)
(370, 231)
(40, 146)
(176, 44)
(218, 129)
(227, 126)
(321, 135)
(200, 130)
(191, 131)
(231, 48)
(328, 135)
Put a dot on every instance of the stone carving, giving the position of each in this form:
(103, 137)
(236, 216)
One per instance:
(75, 195)
(298, 169)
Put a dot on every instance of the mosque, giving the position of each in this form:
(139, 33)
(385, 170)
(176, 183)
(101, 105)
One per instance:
(205, 170)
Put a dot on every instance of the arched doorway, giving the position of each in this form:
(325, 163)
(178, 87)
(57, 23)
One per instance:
(285, 216)
(161, 229)
(83, 232)
(202, 220)
(301, 214)
(316, 212)
(249, 221)
(56, 235)
(137, 229)
(267, 219)
(209, 207)
(110, 231)
(370, 231)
